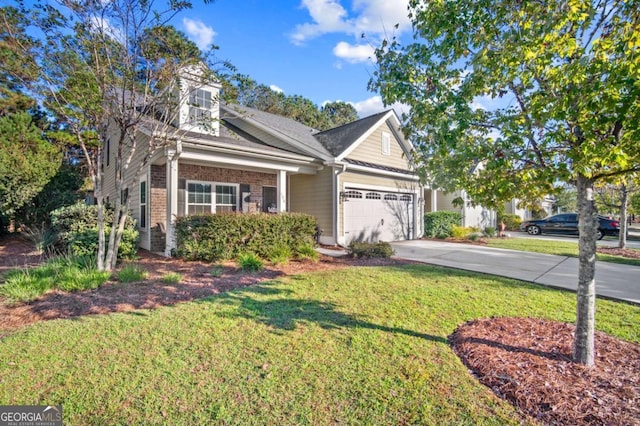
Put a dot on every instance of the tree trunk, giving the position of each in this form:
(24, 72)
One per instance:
(624, 202)
(584, 346)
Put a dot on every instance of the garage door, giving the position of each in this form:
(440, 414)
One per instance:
(377, 216)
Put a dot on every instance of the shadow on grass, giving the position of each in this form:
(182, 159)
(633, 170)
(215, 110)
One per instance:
(286, 314)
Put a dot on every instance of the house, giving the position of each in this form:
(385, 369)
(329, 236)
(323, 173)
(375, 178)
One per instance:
(472, 215)
(356, 179)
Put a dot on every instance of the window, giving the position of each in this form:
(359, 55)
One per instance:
(142, 221)
(373, 196)
(386, 143)
(205, 197)
(405, 197)
(226, 198)
(199, 198)
(199, 106)
(390, 197)
(352, 194)
(107, 152)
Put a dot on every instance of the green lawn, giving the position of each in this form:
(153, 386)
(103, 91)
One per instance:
(352, 346)
(562, 248)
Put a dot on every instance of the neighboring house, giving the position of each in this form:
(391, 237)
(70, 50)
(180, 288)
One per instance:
(357, 179)
(475, 216)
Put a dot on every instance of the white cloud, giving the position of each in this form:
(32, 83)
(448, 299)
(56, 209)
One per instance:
(102, 25)
(201, 34)
(374, 105)
(276, 88)
(373, 18)
(354, 53)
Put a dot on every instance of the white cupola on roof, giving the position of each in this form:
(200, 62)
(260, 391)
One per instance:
(199, 106)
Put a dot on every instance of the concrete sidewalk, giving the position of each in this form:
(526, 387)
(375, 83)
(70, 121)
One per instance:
(621, 282)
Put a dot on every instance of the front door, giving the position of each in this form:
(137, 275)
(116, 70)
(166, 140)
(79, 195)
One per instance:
(269, 199)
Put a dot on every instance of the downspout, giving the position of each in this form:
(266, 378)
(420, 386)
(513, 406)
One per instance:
(336, 200)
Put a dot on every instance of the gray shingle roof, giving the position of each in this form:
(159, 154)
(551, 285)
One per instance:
(281, 126)
(340, 138)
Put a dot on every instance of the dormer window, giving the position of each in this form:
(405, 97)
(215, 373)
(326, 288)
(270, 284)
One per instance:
(200, 107)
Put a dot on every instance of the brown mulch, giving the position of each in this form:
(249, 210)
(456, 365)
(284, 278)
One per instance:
(615, 251)
(525, 361)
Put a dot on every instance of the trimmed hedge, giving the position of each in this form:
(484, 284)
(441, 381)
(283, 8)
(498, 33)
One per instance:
(371, 250)
(511, 221)
(226, 236)
(440, 224)
(76, 227)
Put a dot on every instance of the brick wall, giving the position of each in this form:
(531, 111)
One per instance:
(255, 180)
(158, 192)
(158, 198)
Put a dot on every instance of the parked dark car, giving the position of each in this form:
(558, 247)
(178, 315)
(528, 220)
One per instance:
(567, 223)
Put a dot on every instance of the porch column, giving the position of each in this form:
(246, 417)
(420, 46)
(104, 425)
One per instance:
(434, 200)
(282, 191)
(172, 200)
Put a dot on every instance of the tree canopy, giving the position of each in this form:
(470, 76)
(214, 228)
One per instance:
(508, 99)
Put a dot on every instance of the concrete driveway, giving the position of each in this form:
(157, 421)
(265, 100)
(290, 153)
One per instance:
(621, 282)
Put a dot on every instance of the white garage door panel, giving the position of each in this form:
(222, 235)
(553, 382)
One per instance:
(377, 216)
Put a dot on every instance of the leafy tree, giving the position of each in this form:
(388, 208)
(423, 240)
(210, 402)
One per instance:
(339, 113)
(27, 161)
(565, 199)
(109, 72)
(563, 79)
(615, 197)
(247, 92)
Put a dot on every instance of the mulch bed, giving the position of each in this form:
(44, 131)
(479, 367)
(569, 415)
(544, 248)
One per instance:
(525, 361)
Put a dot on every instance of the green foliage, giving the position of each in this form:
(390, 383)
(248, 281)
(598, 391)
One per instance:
(77, 230)
(280, 254)
(27, 161)
(490, 231)
(172, 278)
(62, 190)
(66, 273)
(43, 238)
(250, 262)
(371, 250)
(307, 251)
(462, 231)
(440, 223)
(226, 236)
(511, 221)
(247, 92)
(131, 273)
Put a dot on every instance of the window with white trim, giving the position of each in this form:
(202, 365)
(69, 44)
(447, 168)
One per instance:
(198, 198)
(386, 143)
(142, 220)
(226, 198)
(200, 103)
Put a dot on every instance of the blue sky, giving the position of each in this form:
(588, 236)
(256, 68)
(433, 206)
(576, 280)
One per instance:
(312, 48)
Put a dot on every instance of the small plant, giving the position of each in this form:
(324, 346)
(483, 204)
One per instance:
(511, 221)
(67, 273)
(43, 238)
(130, 273)
(371, 250)
(442, 236)
(172, 278)
(216, 271)
(490, 232)
(280, 254)
(250, 262)
(474, 236)
(306, 251)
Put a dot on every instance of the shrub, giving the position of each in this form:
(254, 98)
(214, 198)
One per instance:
(76, 228)
(490, 231)
(511, 221)
(226, 236)
(43, 238)
(370, 250)
(438, 223)
(280, 254)
(462, 231)
(172, 278)
(131, 273)
(307, 251)
(67, 273)
(250, 262)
